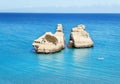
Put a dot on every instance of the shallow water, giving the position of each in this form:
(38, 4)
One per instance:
(20, 65)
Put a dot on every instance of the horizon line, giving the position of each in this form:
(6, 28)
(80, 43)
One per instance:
(63, 12)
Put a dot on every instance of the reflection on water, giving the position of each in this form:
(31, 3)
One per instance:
(65, 63)
(80, 61)
(51, 57)
(80, 55)
(51, 63)
(77, 55)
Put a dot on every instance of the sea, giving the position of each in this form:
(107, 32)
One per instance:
(19, 64)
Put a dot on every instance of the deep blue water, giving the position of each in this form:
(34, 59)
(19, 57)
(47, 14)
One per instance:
(20, 65)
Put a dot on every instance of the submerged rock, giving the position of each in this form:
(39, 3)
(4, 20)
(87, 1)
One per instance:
(50, 43)
(79, 38)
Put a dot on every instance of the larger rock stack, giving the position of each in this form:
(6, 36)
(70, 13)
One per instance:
(50, 43)
(79, 38)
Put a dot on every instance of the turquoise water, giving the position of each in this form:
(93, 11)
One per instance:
(20, 65)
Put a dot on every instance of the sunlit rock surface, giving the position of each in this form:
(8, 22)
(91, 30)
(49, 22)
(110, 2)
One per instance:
(79, 38)
(50, 43)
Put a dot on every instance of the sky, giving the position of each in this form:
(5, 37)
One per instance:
(60, 6)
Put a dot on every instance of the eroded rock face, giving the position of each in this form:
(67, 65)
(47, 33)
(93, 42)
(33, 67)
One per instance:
(50, 43)
(79, 38)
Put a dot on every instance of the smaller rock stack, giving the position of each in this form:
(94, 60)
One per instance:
(50, 43)
(79, 38)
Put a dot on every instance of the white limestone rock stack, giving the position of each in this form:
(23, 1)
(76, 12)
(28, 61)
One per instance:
(50, 43)
(79, 38)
